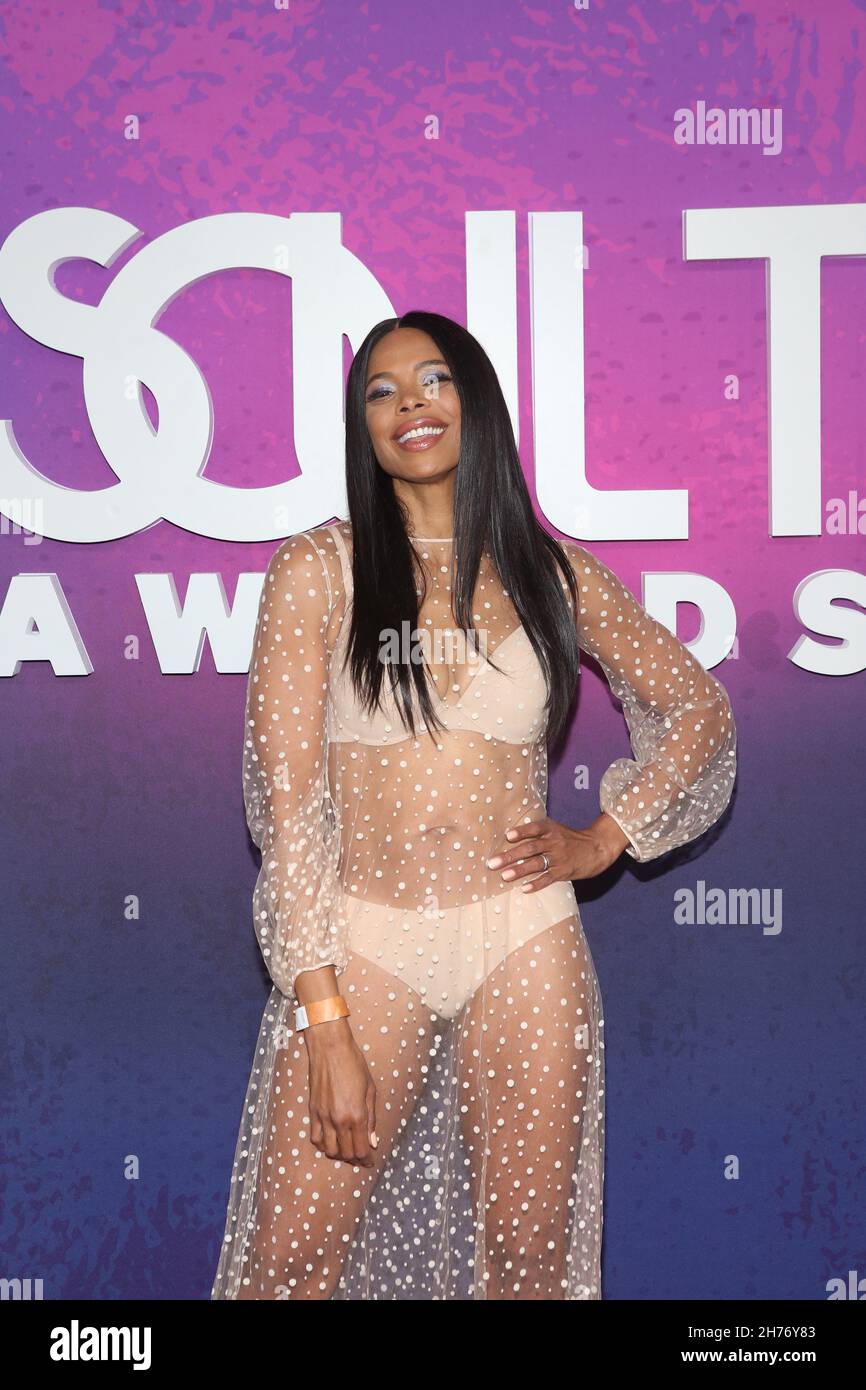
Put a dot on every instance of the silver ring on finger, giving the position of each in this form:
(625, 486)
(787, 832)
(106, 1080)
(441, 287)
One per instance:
(546, 863)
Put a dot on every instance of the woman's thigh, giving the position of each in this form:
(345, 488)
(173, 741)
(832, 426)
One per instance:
(307, 1206)
(530, 1082)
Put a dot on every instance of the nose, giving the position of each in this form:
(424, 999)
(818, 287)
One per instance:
(411, 395)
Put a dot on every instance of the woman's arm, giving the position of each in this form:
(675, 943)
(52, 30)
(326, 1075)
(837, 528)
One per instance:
(291, 819)
(679, 718)
(299, 922)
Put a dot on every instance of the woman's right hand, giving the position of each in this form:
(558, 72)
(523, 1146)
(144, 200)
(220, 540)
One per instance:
(342, 1094)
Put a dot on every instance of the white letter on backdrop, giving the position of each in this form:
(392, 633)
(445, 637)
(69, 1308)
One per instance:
(815, 608)
(792, 240)
(565, 496)
(38, 599)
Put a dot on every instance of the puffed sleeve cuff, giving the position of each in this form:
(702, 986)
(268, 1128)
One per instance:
(658, 809)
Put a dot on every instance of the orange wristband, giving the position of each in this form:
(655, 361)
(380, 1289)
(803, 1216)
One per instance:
(320, 1011)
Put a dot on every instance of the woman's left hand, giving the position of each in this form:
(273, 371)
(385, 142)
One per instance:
(570, 853)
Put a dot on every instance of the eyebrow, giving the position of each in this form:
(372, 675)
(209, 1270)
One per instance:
(430, 362)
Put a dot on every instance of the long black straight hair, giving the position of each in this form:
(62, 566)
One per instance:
(492, 506)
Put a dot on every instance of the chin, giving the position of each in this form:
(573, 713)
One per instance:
(412, 469)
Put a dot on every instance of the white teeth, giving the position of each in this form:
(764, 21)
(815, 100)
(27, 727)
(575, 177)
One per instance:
(420, 433)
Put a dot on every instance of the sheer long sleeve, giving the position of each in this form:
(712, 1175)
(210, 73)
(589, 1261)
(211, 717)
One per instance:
(679, 718)
(290, 814)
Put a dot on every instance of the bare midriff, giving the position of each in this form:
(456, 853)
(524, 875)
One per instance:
(418, 821)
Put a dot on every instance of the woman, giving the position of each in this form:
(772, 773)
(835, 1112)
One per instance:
(433, 1126)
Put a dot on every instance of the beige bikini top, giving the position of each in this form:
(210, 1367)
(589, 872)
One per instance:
(506, 704)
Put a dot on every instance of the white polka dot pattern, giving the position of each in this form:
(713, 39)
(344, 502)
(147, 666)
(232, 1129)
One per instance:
(476, 1006)
(679, 718)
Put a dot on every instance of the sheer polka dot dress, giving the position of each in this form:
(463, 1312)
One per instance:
(476, 1005)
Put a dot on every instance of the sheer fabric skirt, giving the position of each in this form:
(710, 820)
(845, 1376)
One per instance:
(482, 1027)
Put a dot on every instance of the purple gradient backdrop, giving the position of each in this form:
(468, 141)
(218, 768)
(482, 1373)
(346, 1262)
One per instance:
(136, 1038)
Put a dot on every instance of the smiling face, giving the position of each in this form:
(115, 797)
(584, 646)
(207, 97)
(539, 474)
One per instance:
(412, 408)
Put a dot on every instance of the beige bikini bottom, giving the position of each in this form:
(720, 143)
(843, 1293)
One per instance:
(444, 954)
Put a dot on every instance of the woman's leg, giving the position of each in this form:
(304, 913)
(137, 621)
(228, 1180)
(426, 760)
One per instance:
(307, 1206)
(531, 1087)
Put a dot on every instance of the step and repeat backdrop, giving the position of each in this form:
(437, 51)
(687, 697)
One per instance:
(654, 219)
